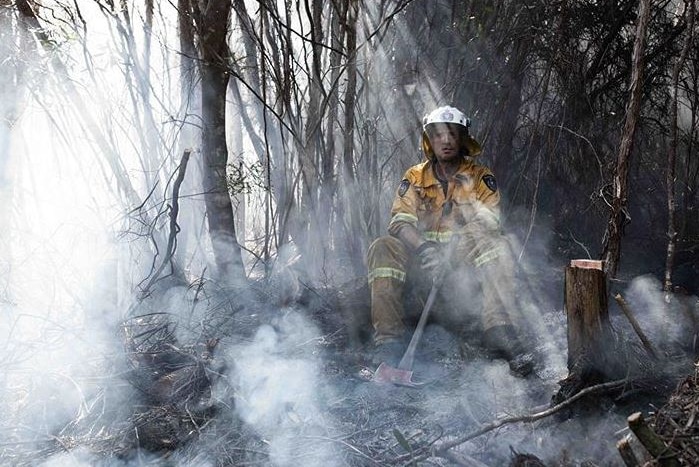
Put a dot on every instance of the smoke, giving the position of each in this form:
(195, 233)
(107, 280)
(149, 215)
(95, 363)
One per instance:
(57, 359)
(58, 296)
(82, 457)
(668, 321)
(65, 287)
(280, 391)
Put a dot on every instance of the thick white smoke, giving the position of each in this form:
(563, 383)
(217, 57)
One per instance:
(281, 391)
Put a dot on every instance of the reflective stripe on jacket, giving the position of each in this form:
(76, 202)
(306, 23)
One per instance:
(472, 197)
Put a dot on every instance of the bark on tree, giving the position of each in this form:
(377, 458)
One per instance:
(354, 247)
(311, 151)
(672, 152)
(512, 103)
(212, 25)
(691, 169)
(188, 68)
(328, 177)
(593, 355)
(619, 216)
(588, 318)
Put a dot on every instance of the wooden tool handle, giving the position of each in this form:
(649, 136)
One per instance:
(406, 363)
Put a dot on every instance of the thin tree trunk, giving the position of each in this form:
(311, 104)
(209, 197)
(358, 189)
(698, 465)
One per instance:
(510, 113)
(618, 216)
(688, 193)
(328, 182)
(10, 81)
(268, 148)
(310, 153)
(672, 152)
(189, 136)
(213, 28)
(137, 76)
(188, 69)
(353, 234)
(689, 180)
(266, 254)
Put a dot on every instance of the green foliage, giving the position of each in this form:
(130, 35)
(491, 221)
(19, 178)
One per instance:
(244, 177)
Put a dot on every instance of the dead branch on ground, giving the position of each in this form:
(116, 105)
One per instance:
(634, 324)
(440, 449)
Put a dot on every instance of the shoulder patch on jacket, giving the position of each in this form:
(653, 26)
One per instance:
(490, 182)
(403, 187)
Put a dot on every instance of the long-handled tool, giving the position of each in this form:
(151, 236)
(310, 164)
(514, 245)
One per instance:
(403, 374)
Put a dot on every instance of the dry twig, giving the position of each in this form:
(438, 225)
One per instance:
(440, 449)
(174, 227)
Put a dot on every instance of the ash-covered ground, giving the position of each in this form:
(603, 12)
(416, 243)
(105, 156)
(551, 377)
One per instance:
(228, 378)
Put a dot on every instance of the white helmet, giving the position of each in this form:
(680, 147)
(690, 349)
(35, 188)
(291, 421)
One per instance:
(446, 114)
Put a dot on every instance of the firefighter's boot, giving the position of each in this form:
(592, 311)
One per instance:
(502, 342)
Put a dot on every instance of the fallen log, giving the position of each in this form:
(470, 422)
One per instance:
(651, 441)
(626, 453)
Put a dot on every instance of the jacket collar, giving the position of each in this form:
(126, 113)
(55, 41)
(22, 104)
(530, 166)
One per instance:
(428, 176)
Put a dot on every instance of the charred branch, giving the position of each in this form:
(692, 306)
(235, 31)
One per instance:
(440, 448)
(655, 446)
(634, 324)
(626, 453)
(173, 227)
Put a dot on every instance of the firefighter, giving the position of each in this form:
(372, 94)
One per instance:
(446, 194)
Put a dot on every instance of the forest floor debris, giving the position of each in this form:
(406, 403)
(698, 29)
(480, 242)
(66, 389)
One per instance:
(313, 404)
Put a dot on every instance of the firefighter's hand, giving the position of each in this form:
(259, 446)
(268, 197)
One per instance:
(430, 257)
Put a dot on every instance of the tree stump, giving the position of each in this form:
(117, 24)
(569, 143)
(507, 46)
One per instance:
(590, 337)
(588, 317)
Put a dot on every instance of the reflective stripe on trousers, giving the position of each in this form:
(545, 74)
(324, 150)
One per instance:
(388, 260)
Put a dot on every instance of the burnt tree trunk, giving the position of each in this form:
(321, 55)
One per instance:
(619, 217)
(588, 316)
(592, 358)
(353, 223)
(212, 24)
(670, 179)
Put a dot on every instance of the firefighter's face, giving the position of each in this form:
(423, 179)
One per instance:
(444, 139)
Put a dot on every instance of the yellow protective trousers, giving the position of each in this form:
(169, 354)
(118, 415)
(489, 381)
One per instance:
(488, 257)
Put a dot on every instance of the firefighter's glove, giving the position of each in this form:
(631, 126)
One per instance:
(430, 257)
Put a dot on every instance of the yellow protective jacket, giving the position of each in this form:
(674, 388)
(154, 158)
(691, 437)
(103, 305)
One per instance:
(466, 204)
(471, 201)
